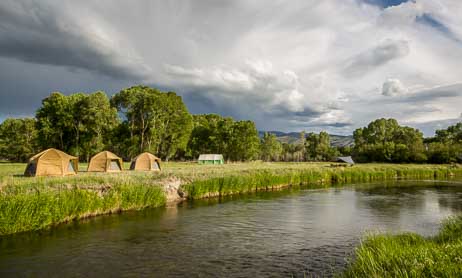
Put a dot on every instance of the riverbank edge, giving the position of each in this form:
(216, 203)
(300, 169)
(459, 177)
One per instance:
(409, 254)
(250, 182)
(42, 210)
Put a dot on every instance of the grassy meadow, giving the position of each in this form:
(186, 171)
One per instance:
(33, 203)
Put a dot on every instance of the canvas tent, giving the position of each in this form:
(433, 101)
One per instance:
(345, 159)
(211, 159)
(105, 162)
(52, 162)
(145, 162)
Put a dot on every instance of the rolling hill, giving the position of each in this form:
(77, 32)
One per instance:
(292, 137)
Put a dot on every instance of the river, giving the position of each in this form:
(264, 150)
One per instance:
(268, 234)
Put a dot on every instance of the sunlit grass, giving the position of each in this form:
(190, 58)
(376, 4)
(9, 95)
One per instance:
(38, 202)
(268, 176)
(411, 255)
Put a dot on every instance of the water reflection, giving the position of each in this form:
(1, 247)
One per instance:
(284, 233)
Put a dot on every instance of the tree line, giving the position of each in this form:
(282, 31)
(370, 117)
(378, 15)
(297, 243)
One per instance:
(135, 120)
(382, 140)
(141, 118)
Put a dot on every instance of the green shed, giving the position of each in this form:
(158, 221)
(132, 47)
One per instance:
(211, 159)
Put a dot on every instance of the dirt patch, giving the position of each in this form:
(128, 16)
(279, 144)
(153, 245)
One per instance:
(172, 189)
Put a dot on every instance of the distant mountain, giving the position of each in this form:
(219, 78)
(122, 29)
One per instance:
(293, 137)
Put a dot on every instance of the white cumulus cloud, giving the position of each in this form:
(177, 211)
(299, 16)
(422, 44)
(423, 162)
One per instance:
(393, 87)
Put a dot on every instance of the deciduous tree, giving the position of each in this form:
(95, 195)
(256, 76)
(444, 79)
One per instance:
(18, 139)
(384, 140)
(270, 148)
(157, 122)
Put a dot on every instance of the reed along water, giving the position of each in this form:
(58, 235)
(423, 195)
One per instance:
(303, 232)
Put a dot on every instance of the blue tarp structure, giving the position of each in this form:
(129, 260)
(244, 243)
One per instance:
(346, 159)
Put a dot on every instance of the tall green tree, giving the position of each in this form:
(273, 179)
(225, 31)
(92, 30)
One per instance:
(18, 139)
(139, 106)
(289, 152)
(157, 122)
(446, 146)
(270, 148)
(453, 134)
(211, 134)
(174, 126)
(384, 140)
(245, 143)
(318, 147)
(237, 141)
(77, 123)
(301, 149)
(98, 120)
(54, 119)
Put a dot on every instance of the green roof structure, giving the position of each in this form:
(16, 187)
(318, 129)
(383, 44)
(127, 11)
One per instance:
(211, 159)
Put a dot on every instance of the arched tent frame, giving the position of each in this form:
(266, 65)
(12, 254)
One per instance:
(52, 162)
(146, 162)
(103, 162)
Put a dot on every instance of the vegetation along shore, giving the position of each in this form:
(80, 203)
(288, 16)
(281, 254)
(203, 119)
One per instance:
(34, 203)
(410, 255)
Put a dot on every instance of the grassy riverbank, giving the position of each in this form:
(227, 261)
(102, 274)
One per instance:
(37, 203)
(33, 203)
(411, 255)
(273, 176)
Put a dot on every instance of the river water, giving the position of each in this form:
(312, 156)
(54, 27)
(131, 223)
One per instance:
(268, 234)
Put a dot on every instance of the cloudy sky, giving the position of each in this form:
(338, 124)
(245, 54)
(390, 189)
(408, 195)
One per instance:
(294, 65)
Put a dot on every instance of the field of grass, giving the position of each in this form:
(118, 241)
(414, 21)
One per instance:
(33, 203)
(410, 255)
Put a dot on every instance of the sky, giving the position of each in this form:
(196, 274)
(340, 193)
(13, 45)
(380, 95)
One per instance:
(332, 65)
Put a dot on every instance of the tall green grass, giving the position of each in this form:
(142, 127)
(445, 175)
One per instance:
(34, 211)
(411, 255)
(269, 179)
(35, 203)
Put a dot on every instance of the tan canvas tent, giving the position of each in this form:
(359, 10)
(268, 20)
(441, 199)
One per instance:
(52, 162)
(105, 162)
(145, 162)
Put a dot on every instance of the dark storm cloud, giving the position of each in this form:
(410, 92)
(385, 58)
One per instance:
(385, 3)
(429, 20)
(309, 117)
(325, 124)
(257, 91)
(305, 113)
(337, 124)
(433, 94)
(320, 124)
(199, 103)
(24, 85)
(428, 128)
(41, 34)
(279, 116)
(373, 58)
